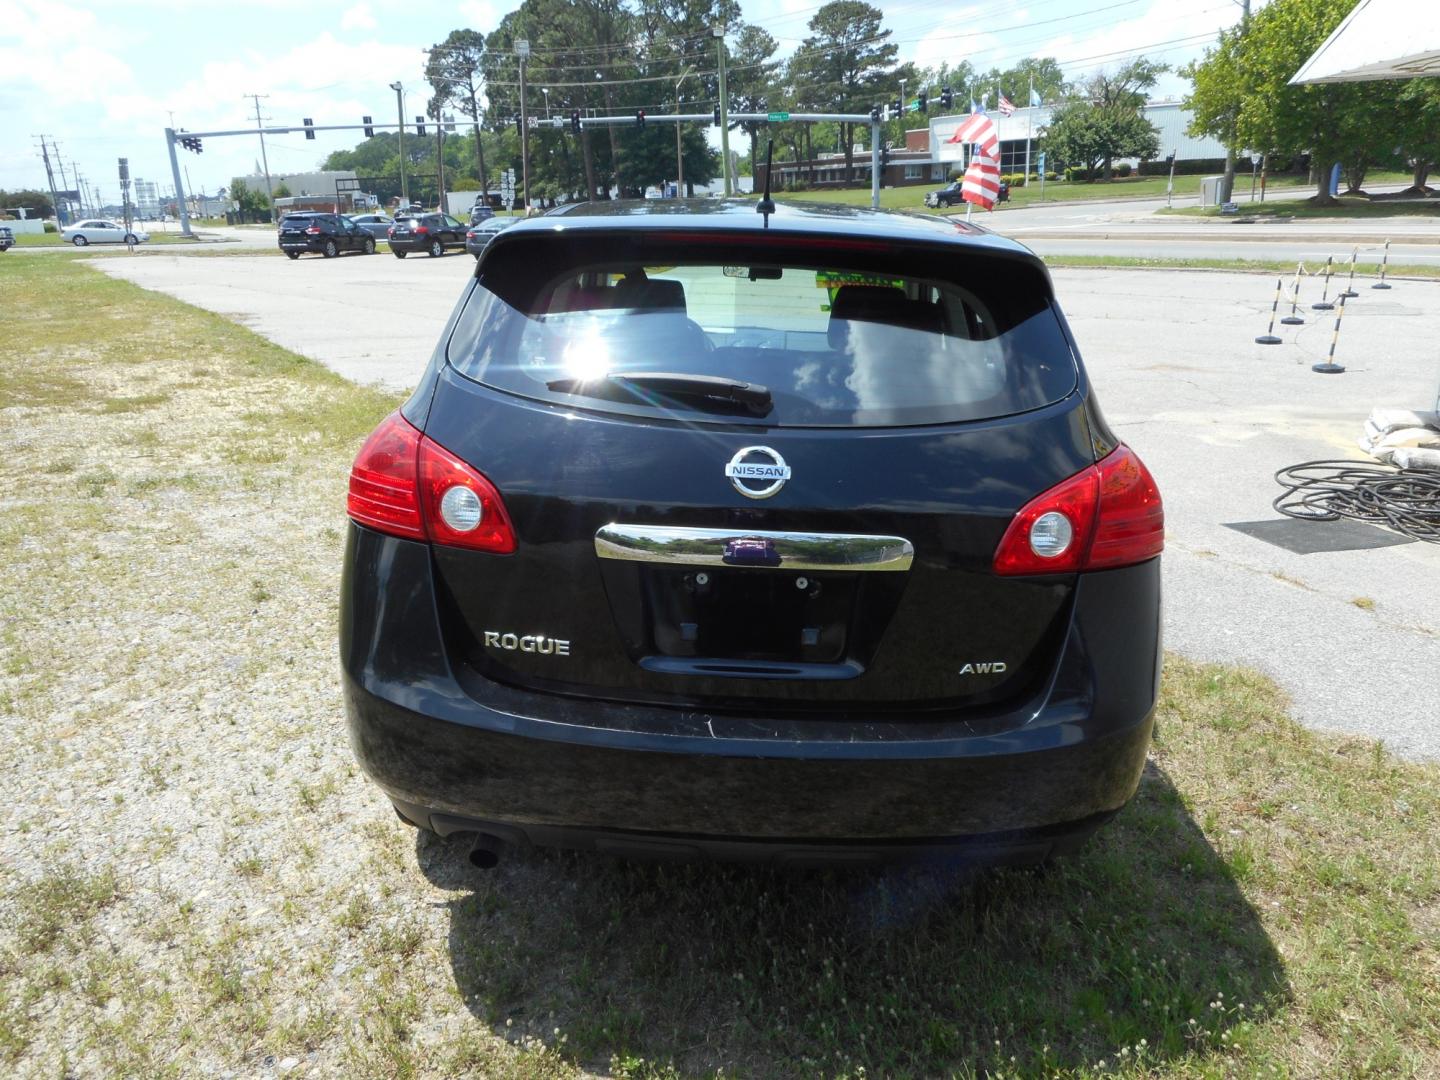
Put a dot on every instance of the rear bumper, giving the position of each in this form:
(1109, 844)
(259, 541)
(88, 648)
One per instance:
(540, 768)
(312, 246)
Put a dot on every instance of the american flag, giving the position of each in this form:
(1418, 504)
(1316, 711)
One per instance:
(979, 129)
(1005, 105)
(981, 184)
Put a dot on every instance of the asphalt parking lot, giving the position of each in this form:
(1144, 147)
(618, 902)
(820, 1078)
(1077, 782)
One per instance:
(1353, 636)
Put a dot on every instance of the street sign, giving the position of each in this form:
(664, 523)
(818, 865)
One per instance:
(778, 116)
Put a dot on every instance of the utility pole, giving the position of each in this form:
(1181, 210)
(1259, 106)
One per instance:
(679, 161)
(399, 89)
(50, 177)
(1227, 182)
(440, 159)
(719, 32)
(522, 50)
(264, 158)
(180, 207)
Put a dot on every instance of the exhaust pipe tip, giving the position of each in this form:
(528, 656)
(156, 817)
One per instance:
(485, 852)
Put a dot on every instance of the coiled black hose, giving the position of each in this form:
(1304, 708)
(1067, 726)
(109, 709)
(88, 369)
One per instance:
(1406, 500)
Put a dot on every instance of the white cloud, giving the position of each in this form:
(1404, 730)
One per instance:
(358, 17)
(479, 15)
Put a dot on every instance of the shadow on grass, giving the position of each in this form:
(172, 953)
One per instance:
(1142, 943)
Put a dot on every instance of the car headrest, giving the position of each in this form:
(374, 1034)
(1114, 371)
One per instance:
(880, 304)
(650, 294)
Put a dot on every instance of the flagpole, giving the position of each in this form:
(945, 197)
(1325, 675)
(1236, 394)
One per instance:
(1029, 121)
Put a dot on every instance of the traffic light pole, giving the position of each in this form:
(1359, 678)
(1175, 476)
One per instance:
(179, 187)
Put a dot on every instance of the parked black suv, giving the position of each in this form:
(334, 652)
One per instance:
(950, 194)
(797, 537)
(324, 234)
(7, 238)
(430, 233)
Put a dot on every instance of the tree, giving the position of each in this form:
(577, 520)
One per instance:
(1414, 125)
(1118, 96)
(1045, 71)
(1218, 92)
(250, 204)
(36, 204)
(1085, 132)
(843, 64)
(752, 78)
(455, 70)
(282, 190)
(1324, 120)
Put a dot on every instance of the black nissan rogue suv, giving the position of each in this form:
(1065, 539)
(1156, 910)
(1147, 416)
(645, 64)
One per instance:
(324, 234)
(795, 537)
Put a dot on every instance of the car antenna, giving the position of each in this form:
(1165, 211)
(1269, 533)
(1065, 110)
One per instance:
(766, 205)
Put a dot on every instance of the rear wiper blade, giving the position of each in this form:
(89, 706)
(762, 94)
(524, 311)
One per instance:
(752, 396)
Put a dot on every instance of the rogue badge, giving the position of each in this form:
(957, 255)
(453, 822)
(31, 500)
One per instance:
(757, 472)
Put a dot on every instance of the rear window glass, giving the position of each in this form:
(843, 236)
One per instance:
(841, 342)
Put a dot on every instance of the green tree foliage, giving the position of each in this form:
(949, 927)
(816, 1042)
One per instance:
(456, 71)
(1089, 134)
(752, 81)
(1015, 81)
(1103, 121)
(844, 63)
(253, 205)
(282, 190)
(1414, 119)
(35, 203)
(1243, 93)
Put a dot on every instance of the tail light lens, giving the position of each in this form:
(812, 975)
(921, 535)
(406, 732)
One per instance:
(1106, 515)
(422, 229)
(313, 230)
(407, 485)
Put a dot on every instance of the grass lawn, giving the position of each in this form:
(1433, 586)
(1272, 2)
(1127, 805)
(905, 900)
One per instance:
(912, 198)
(1351, 206)
(194, 878)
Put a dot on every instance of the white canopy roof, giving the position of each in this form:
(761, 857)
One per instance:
(1380, 39)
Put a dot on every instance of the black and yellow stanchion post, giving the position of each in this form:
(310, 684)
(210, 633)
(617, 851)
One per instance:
(1384, 264)
(1294, 318)
(1329, 367)
(1325, 304)
(1350, 293)
(1269, 338)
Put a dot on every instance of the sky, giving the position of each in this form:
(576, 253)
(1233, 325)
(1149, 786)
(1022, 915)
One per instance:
(103, 80)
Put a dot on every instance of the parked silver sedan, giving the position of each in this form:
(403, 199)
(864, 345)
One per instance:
(377, 225)
(102, 231)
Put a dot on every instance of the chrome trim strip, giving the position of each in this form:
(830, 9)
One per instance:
(673, 545)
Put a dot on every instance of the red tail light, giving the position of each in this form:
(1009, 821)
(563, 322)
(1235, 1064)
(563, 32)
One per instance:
(422, 229)
(407, 485)
(313, 230)
(1106, 515)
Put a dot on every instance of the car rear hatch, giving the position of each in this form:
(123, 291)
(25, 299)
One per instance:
(294, 231)
(758, 469)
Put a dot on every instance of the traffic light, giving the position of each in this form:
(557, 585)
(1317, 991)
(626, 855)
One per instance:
(369, 131)
(639, 118)
(519, 127)
(420, 126)
(875, 114)
(716, 115)
(884, 154)
(309, 127)
(923, 100)
(947, 98)
(191, 143)
(895, 107)
(575, 121)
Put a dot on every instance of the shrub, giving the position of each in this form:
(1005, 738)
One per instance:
(50, 226)
(1123, 169)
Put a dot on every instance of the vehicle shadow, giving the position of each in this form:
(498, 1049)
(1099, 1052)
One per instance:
(1141, 946)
